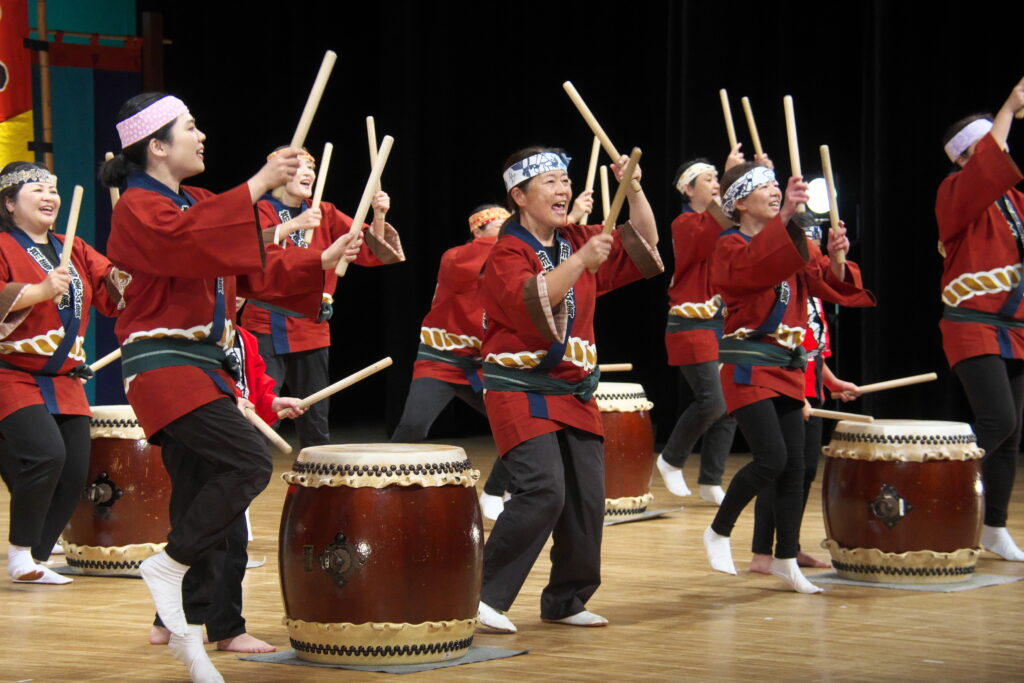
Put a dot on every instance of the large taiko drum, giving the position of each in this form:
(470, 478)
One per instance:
(381, 553)
(628, 448)
(903, 501)
(123, 516)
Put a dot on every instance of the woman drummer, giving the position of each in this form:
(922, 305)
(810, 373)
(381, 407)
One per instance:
(540, 365)
(981, 232)
(765, 269)
(44, 412)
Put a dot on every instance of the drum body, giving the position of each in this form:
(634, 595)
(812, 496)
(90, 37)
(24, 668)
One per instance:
(123, 516)
(903, 501)
(628, 448)
(381, 553)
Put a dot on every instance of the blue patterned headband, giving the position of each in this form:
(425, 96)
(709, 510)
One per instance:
(744, 185)
(534, 165)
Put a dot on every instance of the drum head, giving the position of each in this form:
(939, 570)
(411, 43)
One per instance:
(114, 422)
(909, 440)
(382, 464)
(621, 397)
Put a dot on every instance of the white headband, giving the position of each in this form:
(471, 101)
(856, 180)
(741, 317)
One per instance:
(968, 135)
(532, 166)
(150, 120)
(744, 185)
(691, 173)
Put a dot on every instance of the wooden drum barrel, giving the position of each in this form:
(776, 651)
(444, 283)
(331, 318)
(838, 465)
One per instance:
(628, 448)
(903, 501)
(123, 516)
(381, 553)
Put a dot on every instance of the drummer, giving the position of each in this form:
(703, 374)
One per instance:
(538, 292)
(981, 231)
(44, 412)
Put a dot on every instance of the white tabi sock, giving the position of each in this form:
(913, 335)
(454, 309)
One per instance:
(491, 506)
(163, 576)
(673, 478)
(788, 571)
(719, 552)
(20, 565)
(189, 650)
(49, 576)
(712, 494)
(996, 539)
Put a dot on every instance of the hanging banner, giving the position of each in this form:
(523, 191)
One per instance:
(15, 83)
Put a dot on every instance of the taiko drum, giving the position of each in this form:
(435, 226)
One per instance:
(628, 448)
(381, 553)
(123, 515)
(903, 501)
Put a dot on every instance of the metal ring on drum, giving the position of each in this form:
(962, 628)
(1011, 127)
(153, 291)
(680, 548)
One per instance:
(381, 553)
(628, 448)
(902, 501)
(123, 515)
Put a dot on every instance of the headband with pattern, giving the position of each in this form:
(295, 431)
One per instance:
(302, 155)
(151, 119)
(691, 173)
(482, 218)
(744, 185)
(534, 165)
(26, 175)
(967, 136)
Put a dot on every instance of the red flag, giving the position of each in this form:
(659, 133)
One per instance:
(15, 83)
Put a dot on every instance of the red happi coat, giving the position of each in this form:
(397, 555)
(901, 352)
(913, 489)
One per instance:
(29, 336)
(174, 258)
(811, 344)
(981, 256)
(455, 321)
(746, 272)
(690, 293)
(303, 334)
(521, 324)
(259, 386)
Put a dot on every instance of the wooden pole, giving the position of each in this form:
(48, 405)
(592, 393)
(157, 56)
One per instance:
(749, 113)
(341, 384)
(894, 383)
(44, 84)
(615, 367)
(69, 234)
(371, 139)
(313, 101)
(588, 116)
(794, 147)
(606, 199)
(730, 127)
(595, 150)
(833, 204)
(620, 193)
(368, 192)
(836, 415)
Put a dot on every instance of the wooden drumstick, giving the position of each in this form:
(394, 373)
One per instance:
(615, 367)
(588, 116)
(115, 194)
(752, 126)
(371, 139)
(313, 101)
(368, 192)
(894, 383)
(267, 431)
(836, 415)
(69, 234)
(794, 147)
(730, 128)
(318, 191)
(620, 193)
(595, 150)
(606, 199)
(341, 384)
(106, 360)
(833, 205)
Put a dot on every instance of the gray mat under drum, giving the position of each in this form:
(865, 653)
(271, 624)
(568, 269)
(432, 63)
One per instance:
(641, 516)
(976, 581)
(476, 654)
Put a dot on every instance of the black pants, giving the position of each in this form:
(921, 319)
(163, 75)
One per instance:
(705, 415)
(764, 506)
(218, 463)
(44, 460)
(427, 398)
(995, 390)
(774, 429)
(557, 491)
(303, 373)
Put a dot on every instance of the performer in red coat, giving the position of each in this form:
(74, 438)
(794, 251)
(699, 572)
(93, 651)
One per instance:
(294, 345)
(540, 363)
(188, 252)
(981, 236)
(765, 270)
(44, 413)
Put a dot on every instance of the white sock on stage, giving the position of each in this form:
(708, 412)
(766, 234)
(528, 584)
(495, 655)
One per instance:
(20, 565)
(492, 506)
(712, 494)
(163, 576)
(673, 478)
(719, 552)
(788, 571)
(997, 539)
(188, 649)
(49, 577)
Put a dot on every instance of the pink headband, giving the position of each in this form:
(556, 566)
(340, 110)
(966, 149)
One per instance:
(150, 120)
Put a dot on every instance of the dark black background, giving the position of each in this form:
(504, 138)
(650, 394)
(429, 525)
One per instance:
(462, 85)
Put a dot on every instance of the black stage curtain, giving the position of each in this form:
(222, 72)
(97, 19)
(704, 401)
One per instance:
(462, 85)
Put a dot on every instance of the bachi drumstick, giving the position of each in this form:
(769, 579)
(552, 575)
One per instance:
(730, 127)
(894, 383)
(267, 431)
(620, 193)
(106, 360)
(588, 116)
(606, 200)
(321, 180)
(313, 101)
(371, 139)
(341, 384)
(115, 194)
(615, 367)
(836, 415)
(69, 234)
(595, 150)
(749, 113)
(833, 206)
(368, 192)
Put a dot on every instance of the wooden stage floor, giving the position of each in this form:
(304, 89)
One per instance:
(672, 618)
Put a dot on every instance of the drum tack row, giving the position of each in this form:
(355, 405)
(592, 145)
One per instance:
(902, 503)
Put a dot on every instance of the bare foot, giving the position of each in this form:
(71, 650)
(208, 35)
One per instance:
(158, 635)
(244, 643)
(760, 564)
(805, 560)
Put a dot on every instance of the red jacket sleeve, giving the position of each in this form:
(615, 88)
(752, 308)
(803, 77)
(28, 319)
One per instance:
(261, 385)
(770, 257)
